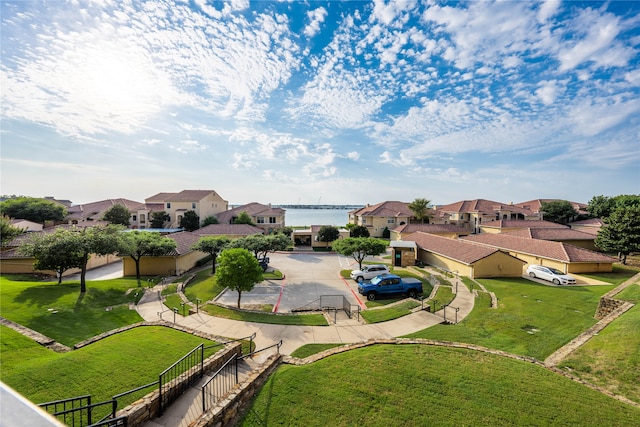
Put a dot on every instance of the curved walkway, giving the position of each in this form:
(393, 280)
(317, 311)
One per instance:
(345, 331)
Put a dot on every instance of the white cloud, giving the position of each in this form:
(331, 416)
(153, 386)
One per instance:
(316, 17)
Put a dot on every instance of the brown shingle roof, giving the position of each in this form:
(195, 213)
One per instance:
(482, 206)
(536, 204)
(513, 223)
(252, 209)
(189, 195)
(431, 228)
(557, 234)
(96, 210)
(459, 250)
(184, 241)
(542, 248)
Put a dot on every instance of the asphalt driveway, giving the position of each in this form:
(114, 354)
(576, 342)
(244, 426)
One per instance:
(308, 275)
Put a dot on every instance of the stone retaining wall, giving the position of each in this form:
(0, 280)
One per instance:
(43, 340)
(230, 410)
(146, 408)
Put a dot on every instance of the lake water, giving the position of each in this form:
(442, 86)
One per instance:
(301, 217)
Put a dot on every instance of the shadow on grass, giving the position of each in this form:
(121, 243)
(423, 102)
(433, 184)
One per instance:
(46, 295)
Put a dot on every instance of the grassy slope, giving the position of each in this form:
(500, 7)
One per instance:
(424, 385)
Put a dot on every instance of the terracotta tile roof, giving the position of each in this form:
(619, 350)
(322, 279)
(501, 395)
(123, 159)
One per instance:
(482, 206)
(385, 209)
(252, 209)
(159, 197)
(184, 241)
(228, 230)
(594, 222)
(96, 210)
(189, 196)
(557, 234)
(535, 205)
(520, 223)
(456, 249)
(542, 248)
(431, 228)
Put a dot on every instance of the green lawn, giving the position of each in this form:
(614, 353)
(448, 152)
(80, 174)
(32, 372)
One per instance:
(398, 385)
(389, 313)
(204, 287)
(107, 367)
(288, 319)
(311, 349)
(61, 312)
(531, 319)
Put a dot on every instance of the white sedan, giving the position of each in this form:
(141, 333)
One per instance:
(550, 274)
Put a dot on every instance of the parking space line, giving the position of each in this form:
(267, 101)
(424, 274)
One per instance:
(362, 305)
(275, 308)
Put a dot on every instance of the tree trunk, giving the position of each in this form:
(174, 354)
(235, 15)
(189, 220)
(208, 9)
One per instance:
(213, 261)
(239, 295)
(83, 273)
(137, 261)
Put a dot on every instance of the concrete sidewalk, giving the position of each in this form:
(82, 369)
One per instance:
(345, 331)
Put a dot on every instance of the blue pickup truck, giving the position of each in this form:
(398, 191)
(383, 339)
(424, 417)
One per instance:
(389, 284)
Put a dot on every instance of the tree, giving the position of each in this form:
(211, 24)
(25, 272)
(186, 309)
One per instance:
(212, 245)
(621, 232)
(137, 244)
(190, 221)
(328, 234)
(559, 211)
(420, 209)
(238, 270)
(118, 214)
(57, 251)
(159, 218)
(98, 240)
(360, 247)
(211, 219)
(602, 206)
(243, 218)
(7, 231)
(33, 209)
(359, 231)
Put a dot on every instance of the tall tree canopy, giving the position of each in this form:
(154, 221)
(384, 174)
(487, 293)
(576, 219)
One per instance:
(138, 244)
(420, 209)
(118, 214)
(99, 240)
(58, 251)
(211, 219)
(190, 221)
(559, 211)
(243, 218)
(602, 206)
(7, 231)
(621, 232)
(159, 218)
(238, 270)
(212, 245)
(33, 209)
(359, 231)
(328, 234)
(359, 247)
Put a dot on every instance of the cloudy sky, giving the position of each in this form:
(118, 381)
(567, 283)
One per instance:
(321, 101)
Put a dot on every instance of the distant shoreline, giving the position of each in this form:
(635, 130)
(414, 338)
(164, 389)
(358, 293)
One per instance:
(345, 207)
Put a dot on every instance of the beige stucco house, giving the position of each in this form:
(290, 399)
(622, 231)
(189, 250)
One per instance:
(309, 237)
(204, 203)
(463, 257)
(93, 213)
(565, 235)
(472, 214)
(378, 218)
(563, 256)
(232, 231)
(265, 217)
(508, 225)
(451, 231)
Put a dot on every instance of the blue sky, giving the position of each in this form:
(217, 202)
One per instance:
(321, 101)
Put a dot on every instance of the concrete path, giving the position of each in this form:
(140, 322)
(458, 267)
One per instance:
(344, 331)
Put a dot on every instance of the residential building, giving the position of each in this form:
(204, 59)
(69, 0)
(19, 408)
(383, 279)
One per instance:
(591, 226)
(382, 216)
(26, 225)
(91, 213)
(566, 235)
(451, 231)
(472, 214)
(204, 203)
(508, 225)
(536, 206)
(309, 237)
(265, 217)
(232, 231)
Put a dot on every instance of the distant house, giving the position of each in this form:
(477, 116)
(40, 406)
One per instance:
(204, 203)
(591, 226)
(263, 216)
(26, 225)
(309, 237)
(508, 225)
(381, 217)
(182, 259)
(536, 206)
(232, 231)
(563, 256)
(445, 230)
(93, 213)
(472, 214)
(463, 257)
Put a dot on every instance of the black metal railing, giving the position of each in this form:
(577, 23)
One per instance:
(223, 380)
(177, 378)
(80, 412)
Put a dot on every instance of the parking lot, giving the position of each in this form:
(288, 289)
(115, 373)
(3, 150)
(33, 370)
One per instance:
(308, 275)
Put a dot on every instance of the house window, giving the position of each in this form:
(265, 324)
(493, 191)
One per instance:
(134, 217)
(391, 220)
(142, 218)
(168, 205)
(272, 220)
(364, 220)
(193, 205)
(260, 220)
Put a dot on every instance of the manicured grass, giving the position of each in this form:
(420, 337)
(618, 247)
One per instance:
(174, 301)
(204, 287)
(289, 319)
(611, 359)
(272, 275)
(531, 319)
(425, 385)
(311, 349)
(619, 275)
(389, 313)
(444, 296)
(61, 312)
(102, 369)
(382, 302)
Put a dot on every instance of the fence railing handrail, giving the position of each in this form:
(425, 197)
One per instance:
(117, 396)
(181, 359)
(278, 344)
(231, 359)
(250, 338)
